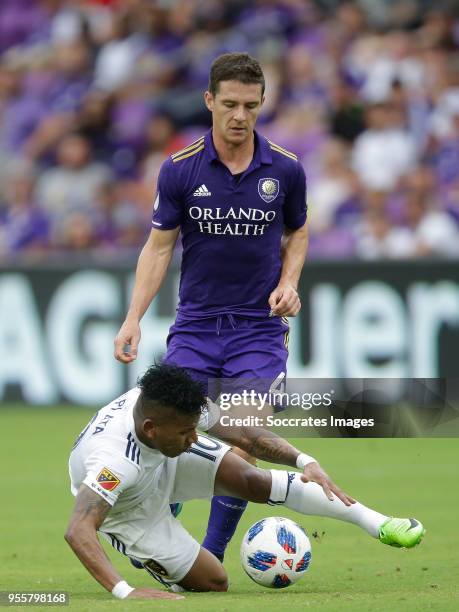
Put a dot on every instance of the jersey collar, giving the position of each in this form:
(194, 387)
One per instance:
(131, 427)
(262, 153)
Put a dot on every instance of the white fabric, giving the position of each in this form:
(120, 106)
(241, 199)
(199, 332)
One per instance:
(309, 498)
(441, 119)
(279, 487)
(302, 460)
(438, 233)
(210, 416)
(61, 190)
(121, 590)
(382, 157)
(326, 195)
(144, 482)
(397, 243)
(115, 64)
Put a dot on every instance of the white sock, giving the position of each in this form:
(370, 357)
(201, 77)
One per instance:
(309, 498)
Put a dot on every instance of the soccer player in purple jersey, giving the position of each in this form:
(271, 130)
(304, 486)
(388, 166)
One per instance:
(239, 201)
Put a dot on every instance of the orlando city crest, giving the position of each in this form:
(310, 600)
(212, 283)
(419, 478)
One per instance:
(268, 189)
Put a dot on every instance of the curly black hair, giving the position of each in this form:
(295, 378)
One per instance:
(170, 386)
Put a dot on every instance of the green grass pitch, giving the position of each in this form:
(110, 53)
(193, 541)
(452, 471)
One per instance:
(349, 570)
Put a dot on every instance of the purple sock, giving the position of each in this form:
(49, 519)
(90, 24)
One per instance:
(225, 514)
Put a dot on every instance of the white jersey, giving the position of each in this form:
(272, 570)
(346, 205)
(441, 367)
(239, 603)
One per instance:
(109, 458)
(140, 483)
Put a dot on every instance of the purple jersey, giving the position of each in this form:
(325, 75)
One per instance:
(231, 225)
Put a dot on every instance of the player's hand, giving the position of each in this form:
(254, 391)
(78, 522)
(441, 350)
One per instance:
(314, 473)
(149, 593)
(284, 301)
(129, 334)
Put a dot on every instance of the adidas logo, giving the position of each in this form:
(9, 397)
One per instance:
(202, 191)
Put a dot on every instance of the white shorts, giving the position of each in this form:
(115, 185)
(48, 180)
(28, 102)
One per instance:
(154, 536)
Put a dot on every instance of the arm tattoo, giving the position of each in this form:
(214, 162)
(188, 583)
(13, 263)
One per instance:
(90, 505)
(265, 445)
(260, 443)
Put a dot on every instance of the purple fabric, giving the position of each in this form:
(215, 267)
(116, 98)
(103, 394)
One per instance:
(165, 43)
(19, 21)
(348, 212)
(129, 120)
(312, 92)
(20, 118)
(171, 71)
(37, 83)
(447, 162)
(230, 348)
(67, 94)
(336, 243)
(225, 514)
(395, 208)
(25, 227)
(231, 235)
(260, 22)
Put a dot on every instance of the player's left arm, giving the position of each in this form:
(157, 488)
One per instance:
(284, 300)
(267, 446)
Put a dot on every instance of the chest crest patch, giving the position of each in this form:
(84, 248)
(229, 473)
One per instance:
(268, 189)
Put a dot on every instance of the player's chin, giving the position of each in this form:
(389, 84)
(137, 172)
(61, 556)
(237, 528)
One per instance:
(237, 134)
(175, 452)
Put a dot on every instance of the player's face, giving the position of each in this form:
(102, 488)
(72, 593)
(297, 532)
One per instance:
(235, 109)
(176, 435)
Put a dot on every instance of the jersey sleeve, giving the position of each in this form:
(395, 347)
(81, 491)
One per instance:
(108, 475)
(209, 416)
(295, 206)
(167, 209)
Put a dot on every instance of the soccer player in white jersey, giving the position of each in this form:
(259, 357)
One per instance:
(142, 452)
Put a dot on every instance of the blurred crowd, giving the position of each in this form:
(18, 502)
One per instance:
(95, 94)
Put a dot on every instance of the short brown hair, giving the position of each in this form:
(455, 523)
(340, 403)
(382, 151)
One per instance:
(235, 67)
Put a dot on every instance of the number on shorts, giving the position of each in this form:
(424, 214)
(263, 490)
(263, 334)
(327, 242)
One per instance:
(208, 445)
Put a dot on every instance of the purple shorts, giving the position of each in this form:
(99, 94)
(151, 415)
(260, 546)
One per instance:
(230, 347)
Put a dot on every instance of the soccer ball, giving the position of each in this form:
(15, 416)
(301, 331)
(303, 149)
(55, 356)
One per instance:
(275, 552)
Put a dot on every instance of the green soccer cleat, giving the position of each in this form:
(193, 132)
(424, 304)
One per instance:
(402, 533)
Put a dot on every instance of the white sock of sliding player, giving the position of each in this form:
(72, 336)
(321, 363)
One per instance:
(309, 498)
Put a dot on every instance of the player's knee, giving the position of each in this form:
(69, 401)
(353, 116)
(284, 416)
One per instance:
(215, 581)
(218, 579)
(219, 583)
(207, 574)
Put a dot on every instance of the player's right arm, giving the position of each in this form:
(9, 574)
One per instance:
(154, 258)
(151, 270)
(88, 515)
(268, 446)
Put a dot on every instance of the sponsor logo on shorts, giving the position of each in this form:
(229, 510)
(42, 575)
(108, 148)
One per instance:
(107, 480)
(156, 568)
